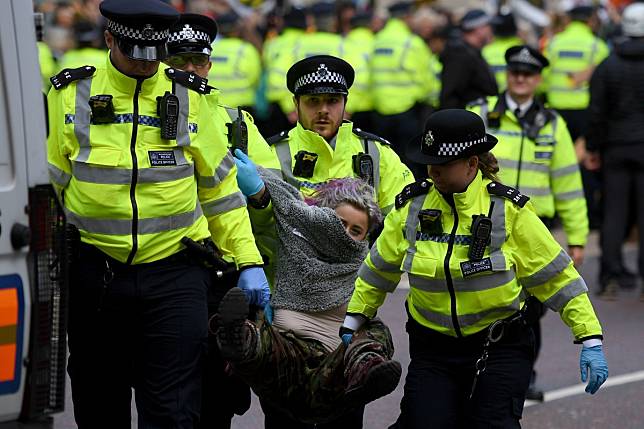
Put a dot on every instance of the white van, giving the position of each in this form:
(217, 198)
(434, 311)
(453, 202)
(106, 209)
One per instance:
(33, 267)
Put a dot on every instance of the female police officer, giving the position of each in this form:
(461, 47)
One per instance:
(473, 250)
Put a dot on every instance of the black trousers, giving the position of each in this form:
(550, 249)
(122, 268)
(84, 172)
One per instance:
(623, 194)
(142, 327)
(275, 419)
(440, 375)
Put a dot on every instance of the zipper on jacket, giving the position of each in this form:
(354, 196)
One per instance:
(448, 274)
(520, 158)
(135, 173)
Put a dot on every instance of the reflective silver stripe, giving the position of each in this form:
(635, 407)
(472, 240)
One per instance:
(559, 172)
(480, 283)
(58, 176)
(562, 89)
(554, 267)
(225, 204)
(221, 172)
(498, 235)
(525, 165)
(410, 230)
(484, 109)
(373, 150)
(284, 155)
(374, 279)
(508, 133)
(380, 264)
(534, 192)
(445, 320)
(81, 123)
(183, 136)
(91, 173)
(124, 226)
(232, 113)
(571, 195)
(559, 300)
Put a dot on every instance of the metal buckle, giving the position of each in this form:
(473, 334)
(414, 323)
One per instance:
(495, 331)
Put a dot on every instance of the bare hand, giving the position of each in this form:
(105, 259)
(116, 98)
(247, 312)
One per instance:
(592, 161)
(576, 254)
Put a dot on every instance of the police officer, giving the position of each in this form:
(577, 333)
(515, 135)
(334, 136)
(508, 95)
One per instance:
(86, 51)
(189, 49)
(321, 147)
(237, 65)
(400, 78)
(505, 36)
(139, 164)
(471, 247)
(537, 157)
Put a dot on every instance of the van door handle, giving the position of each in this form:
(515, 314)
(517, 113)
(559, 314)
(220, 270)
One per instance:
(20, 236)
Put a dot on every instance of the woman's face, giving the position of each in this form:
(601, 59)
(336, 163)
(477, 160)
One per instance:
(454, 176)
(355, 221)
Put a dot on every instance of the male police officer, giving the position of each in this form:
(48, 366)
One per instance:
(322, 147)
(189, 49)
(138, 165)
(536, 155)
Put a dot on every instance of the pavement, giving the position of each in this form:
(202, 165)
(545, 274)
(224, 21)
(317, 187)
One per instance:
(618, 404)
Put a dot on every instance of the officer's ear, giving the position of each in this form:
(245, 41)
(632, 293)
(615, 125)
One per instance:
(109, 39)
(473, 163)
(296, 101)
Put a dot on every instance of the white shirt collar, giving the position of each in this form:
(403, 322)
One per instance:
(512, 105)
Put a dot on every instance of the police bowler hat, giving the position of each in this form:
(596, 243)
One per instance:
(141, 27)
(320, 74)
(449, 135)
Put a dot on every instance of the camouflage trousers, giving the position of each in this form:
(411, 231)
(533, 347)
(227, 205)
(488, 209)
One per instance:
(302, 379)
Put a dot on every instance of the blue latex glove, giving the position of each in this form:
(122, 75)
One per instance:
(248, 178)
(346, 339)
(268, 313)
(255, 285)
(593, 358)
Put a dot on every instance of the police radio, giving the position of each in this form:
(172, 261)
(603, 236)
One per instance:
(363, 167)
(168, 111)
(238, 133)
(481, 231)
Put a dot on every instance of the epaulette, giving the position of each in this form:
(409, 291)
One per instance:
(189, 80)
(478, 102)
(277, 138)
(369, 136)
(412, 190)
(507, 192)
(66, 76)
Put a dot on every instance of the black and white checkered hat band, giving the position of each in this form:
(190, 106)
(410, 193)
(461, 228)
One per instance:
(143, 34)
(454, 149)
(525, 57)
(188, 34)
(318, 78)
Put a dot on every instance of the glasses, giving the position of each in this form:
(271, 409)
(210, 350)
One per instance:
(178, 61)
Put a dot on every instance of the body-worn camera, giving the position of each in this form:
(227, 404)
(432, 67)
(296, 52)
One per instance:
(168, 111)
(305, 164)
(102, 109)
(363, 167)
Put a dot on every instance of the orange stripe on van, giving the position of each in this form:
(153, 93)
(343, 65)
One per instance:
(8, 332)
(8, 307)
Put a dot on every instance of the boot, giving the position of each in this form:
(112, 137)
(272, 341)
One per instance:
(232, 332)
(371, 377)
(533, 392)
(608, 291)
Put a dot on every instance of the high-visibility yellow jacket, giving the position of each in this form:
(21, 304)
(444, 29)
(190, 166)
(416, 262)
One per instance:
(278, 57)
(79, 57)
(236, 69)
(258, 150)
(435, 70)
(336, 160)
(47, 64)
(400, 67)
(573, 50)
(457, 297)
(494, 54)
(133, 194)
(361, 40)
(544, 168)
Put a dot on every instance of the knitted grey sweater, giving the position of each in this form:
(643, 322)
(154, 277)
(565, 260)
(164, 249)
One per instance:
(317, 262)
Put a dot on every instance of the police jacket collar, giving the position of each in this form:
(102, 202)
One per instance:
(344, 133)
(126, 84)
(463, 201)
(398, 26)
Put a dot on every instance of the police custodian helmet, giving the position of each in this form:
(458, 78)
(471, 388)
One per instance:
(141, 27)
(320, 74)
(448, 135)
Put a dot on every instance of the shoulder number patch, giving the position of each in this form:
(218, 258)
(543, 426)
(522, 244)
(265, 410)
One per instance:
(67, 76)
(411, 191)
(507, 192)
